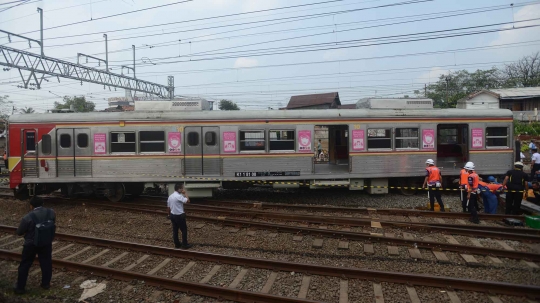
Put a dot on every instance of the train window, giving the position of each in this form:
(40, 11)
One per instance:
(281, 140)
(123, 142)
(30, 141)
(210, 139)
(379, 138)
(82, 140)
(448, 135)
(46, 144)
(252, 140)
(496, 136)
(406, 138)
(152, 141)
(65, 141)
(193, 139)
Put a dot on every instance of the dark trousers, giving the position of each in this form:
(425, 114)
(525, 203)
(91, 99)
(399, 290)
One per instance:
(463, 198)
(6, 164)
(535, 168)
(473, 206)
(45, 261)
(434, 193)
(513, 202)
(179, 222)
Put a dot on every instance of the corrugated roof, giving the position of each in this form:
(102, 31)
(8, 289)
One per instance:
(347, 106)
(517, 92)
(310, 100)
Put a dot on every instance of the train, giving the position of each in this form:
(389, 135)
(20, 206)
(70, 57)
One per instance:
(118, 154)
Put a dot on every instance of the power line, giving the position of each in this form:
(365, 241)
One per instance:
(24, 2)
(52, 10)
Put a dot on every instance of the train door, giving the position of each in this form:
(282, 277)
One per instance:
(73, 152)
(202, 151)
(29, 153)
(452, 145)
(83, 153)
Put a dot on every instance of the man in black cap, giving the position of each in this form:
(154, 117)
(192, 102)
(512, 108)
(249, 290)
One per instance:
(38, 228)
(517, 182)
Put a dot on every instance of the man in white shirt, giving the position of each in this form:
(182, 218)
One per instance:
(535, 163)
(531, 147)
(175, 204)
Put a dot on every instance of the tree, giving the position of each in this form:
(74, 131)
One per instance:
(79, 103)
(27, 110)
(523, 73)
(6, 107)
(227, 105)
(456, 85)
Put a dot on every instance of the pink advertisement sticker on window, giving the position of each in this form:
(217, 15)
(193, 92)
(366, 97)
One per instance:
(100, 144)
(229, 142)
(477, 138)
(428, 139)
(174, 142)
(304, 141)
(358, 139)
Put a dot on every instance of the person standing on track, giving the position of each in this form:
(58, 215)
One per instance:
(433, 181)
(516, 181)
(6, 164)
(463, 182)
(38, 228)
(319, 150)
(535, 163)
(472, 193)
(175, 204)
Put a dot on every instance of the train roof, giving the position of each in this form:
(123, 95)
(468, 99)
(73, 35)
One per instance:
(259, 114)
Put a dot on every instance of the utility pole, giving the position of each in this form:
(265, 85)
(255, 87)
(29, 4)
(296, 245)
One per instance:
(106, 54)
(425, 90)
(447, 80)
(41, 30)
(133, 47)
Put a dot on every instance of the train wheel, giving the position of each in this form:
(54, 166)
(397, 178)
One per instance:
(117, 193)
(407, 187)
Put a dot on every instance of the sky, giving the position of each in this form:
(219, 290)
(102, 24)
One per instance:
(259, 53)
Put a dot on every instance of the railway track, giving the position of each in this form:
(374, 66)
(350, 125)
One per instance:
(345, 234)
(200, 273)
(5, 191)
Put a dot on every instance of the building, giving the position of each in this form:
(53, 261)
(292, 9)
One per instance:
(524, 101)
(314, 101)
(128, 103)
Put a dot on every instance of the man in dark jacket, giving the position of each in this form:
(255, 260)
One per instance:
(27, 228)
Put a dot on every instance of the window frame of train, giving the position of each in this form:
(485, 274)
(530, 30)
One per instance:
(279, 140)
(113, 144)
(62, 141)
(387, 132)
(46, 144)
(242, 133)
(496, 137)
(403, 138)
(157, 143)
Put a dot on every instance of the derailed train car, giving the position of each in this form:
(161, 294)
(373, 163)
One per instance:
(122, 153)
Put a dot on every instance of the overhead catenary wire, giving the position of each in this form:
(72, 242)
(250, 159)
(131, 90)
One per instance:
(51, 10)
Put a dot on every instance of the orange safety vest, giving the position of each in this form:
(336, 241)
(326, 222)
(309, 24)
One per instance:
(434, 174)
(5, 156)
(473, 181)
(463, 177)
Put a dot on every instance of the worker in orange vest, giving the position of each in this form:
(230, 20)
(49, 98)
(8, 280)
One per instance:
(6, 160)
(433, 181)
(472, 193)
(463, 182)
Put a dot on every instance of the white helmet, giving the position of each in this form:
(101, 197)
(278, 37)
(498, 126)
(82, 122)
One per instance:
(430, 162)
(518, 164)
(469, 166)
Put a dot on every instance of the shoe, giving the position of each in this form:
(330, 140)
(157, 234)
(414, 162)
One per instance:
(187, 246)
(431, 209)
(46, 287)
(19, 291)
(474, 221)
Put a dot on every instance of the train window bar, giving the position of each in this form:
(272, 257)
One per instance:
(252, 141)
(123, 142)
(281, 140)
(407, 138)
(497, 137)
(379, 138)
(152, 142)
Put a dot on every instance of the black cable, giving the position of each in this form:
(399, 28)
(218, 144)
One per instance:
(115, 15)
(22, 3)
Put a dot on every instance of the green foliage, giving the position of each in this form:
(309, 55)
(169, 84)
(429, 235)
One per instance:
(227, 105)
(27, 110)
(80, 104)
(531, 129)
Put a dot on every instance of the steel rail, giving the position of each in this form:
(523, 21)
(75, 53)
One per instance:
(384, 211)
(463, 249)
(167, 283)
(481, 231)
(505, 288)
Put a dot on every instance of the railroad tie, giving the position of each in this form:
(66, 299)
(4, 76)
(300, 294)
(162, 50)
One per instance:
(347, 229)
(377, 289)
(408, 236)
(451, 239)
(414, 219)
(155, 297)
(268, 285)
(238, 278)
(504, 245)
(323, 227)
(234, 230)
(413, 295)
(107, 264)
(159, 266)
(343, 291)
(101, 253)
(199, 226)
(415, 253)
(441, 256)
(56, 251)
(439, 220)
(389, 235)
(368, 248)
(141, 259)
(6, 237)
(343, 245)
(469, 259)
(530, 264)
(462, 222)
(376, 224)
(495, 299)
(272, 235)
(393, 250)
(251, 233)
(12, 242)
(453, 297)
(127, 289)
(297, 238)
(184, 270)
(209, 276)
(477, 243)
(304, 287)
(317, 243)
(78, 253)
